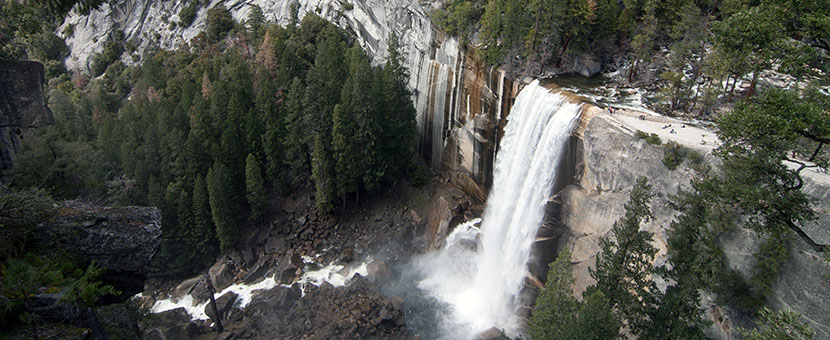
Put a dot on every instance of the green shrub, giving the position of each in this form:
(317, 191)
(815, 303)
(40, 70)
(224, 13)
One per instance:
(69, 31)
(47, 46)
(118, 35)
(419, 174)
(131, 45)
(674, 155)
(771, 256)
(53, 68)
(694, 157)
(348, 6)
(459, 18)
(186, 15)
(652, 139)
(112, 51)
(219, 23)
(783, 324)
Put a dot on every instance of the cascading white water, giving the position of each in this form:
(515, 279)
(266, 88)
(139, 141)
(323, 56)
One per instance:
(481, 284)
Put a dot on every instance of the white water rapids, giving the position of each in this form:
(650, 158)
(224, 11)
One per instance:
(479, 275)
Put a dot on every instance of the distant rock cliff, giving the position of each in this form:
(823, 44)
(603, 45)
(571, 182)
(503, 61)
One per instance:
(22, 106)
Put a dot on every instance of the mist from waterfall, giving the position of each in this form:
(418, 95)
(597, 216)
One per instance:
(480, 272)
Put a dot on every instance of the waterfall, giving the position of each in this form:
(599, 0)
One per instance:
(481, 283)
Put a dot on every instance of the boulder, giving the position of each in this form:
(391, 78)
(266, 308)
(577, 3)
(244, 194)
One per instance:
(287, 275)
(438, 222)
(377, 269)
(223, 305)
(279, 298)
(172, 324)
(248, 255)
(257, 272)
(490, 334)
(348, 255)
(201, 292)
(296, 260)
(414, 215)
(274, 244)
(391, 312)
(185, 287)
(221, 275)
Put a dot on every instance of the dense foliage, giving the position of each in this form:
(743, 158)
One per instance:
(695, 50)
(252, 111)
(625, 296)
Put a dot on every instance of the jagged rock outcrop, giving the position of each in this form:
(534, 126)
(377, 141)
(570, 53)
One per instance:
(22, 106)
(460, 101)
(121, 240)
(608, 163)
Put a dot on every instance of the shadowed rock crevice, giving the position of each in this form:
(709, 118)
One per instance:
(22, 107)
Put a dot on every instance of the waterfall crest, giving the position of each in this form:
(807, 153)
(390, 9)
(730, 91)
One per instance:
(481, 283)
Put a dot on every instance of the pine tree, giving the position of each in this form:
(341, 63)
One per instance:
(272, 139)
(219, 22)
(296, 140)
(555, 307)
(219, 190)
(346, 164)
(492, 27)
(254, 23)
(595, 320)
(324, 82)
(396, 118)
(254, 130)
(184, 231)
(623, 265)
(255, 188)
(365, 108)
(321, 173)
(749, 41)
(196, 153)
(559, 316)
(203, 234)
(643, 43)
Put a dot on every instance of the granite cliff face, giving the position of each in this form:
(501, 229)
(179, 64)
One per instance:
(121, 240)
(22, 107)
(460, 101)
(607, 163)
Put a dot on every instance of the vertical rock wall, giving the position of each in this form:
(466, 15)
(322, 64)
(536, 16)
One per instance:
(22, 106)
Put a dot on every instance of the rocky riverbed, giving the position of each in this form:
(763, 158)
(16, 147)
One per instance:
(310, 276)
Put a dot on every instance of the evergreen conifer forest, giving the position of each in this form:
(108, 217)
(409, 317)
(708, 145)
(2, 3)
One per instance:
(219, 131)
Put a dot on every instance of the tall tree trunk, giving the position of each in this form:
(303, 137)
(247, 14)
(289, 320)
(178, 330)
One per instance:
(752, 84)
(633, 72)
(565, 44)
(536, 26)
(218, 320)
(732, 89)
(702, 56)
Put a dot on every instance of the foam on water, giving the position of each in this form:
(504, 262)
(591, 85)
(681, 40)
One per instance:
(332, 273)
